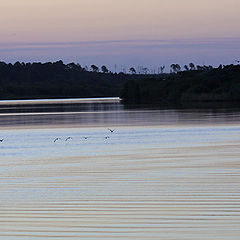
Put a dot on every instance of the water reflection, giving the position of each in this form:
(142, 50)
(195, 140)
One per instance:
(111, 112)
(154, 178)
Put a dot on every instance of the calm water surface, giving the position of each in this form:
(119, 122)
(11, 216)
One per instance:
(169, 174)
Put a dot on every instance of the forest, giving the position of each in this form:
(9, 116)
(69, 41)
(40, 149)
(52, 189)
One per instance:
(204, 84)
(59, 80)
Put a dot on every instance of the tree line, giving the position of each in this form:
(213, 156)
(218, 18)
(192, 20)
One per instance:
(58, 80)
(191, 85)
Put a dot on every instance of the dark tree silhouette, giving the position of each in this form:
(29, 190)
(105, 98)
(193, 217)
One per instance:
(175, 68)
(200, 68)
(94, 68)
(186, 68)
(145, 70)
(104, 69)
(192, 66)
(132, 70)
(162, 69)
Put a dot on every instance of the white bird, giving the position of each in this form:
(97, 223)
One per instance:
(56, 139)
(111, 130)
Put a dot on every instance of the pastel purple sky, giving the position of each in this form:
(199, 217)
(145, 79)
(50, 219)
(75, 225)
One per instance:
(126, 32)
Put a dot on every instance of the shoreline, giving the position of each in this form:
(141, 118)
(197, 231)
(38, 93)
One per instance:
(60, 100)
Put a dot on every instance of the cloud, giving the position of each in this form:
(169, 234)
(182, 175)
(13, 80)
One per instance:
(231, 43)
(130, 52)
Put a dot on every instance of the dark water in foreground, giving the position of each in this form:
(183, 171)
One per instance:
(162, 174)
(109, 112)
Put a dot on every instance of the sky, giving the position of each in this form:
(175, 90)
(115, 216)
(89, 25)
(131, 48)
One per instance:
(122, 32)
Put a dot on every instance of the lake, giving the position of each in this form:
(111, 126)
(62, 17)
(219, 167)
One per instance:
(164, 173)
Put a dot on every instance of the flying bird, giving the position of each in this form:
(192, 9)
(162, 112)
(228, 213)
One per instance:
(56, 139)
(1, 140)
(85, 138)
(111, 130)
(69, 138)
(107, 137)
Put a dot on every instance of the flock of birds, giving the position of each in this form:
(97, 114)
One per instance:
(70, 138)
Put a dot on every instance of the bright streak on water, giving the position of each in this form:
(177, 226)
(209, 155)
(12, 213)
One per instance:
(163, 174)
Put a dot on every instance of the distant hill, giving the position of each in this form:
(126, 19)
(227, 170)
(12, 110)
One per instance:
(219, 84)
(59, 80)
